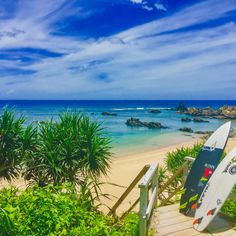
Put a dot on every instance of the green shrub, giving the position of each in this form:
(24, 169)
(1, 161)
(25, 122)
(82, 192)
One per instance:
(175, 159)
(41, 211)
(229, 207)
(68, 150)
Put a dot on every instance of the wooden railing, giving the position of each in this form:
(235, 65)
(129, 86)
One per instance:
(127, 191)
(146, 205)
(150, 191)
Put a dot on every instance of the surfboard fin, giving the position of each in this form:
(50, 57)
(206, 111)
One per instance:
(194, 206)
(211, 212)
(197, 221)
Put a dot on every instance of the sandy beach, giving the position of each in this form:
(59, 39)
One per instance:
(125, 168)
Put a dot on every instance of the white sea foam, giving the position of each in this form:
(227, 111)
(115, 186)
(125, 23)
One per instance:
(128, 109)
(140, 108)
(159, 108)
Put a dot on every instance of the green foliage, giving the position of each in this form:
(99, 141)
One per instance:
(15, 142)
(229, 207)
(175, 159)
(68, 150)
(162, 175)
(129, 226)
(56, 211)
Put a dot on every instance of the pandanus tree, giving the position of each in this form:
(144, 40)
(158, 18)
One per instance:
(71, 149)
(16, 141)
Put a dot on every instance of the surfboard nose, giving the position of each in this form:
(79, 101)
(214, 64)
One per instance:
(223, 133)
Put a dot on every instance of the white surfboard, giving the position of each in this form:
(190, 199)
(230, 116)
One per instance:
(203, 167)
(216, 191)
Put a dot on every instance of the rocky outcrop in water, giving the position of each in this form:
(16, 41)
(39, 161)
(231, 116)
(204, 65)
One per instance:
(207, 133)
(228, 112)
(134, 122)
(181, 107)
(105, 113)
(154, 111)
(186, 129)
(199, 120)
(203, 132)
(224, 112)
(186, 119)
(196, 119)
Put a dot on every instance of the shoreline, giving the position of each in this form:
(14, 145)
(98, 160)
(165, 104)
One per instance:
(164, 140)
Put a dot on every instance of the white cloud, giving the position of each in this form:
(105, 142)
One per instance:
(147, 8)
(144, 4)
(160, 7)
(142, 62)
(137, 1)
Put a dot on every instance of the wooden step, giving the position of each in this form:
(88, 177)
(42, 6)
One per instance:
(167, 221)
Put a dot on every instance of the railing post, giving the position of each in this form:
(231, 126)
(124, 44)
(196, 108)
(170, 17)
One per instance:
(188, 160)
(154, 183)
(185, 171)
(142, 211)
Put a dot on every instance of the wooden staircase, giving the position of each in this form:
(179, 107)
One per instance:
(167, 221)
(156, 214)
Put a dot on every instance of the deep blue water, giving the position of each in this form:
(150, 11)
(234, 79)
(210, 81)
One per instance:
(115, 126)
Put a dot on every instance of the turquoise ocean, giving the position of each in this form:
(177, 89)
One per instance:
(125, 139)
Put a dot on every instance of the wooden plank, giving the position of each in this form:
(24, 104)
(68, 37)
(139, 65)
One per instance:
(187, 232)
(154, 186)
(142, 211)
(151, 203)
(168, 221)
(174, 228)
(167, 215)
(172, 220)
(148, 175)
(170, 180)
(127, 191)
(172, 207)
(171, 195)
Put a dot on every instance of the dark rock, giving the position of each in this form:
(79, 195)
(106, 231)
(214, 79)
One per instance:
(232, 133)
(105, 113)
(225, 112)
(199, 120)
(92, 113)
(155, 111)
(186, 129)
(186, 119)
(203, 132)
(134, 122)
(181, 107)
(228, 112)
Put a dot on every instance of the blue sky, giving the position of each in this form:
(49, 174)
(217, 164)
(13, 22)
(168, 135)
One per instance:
(121, 49)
